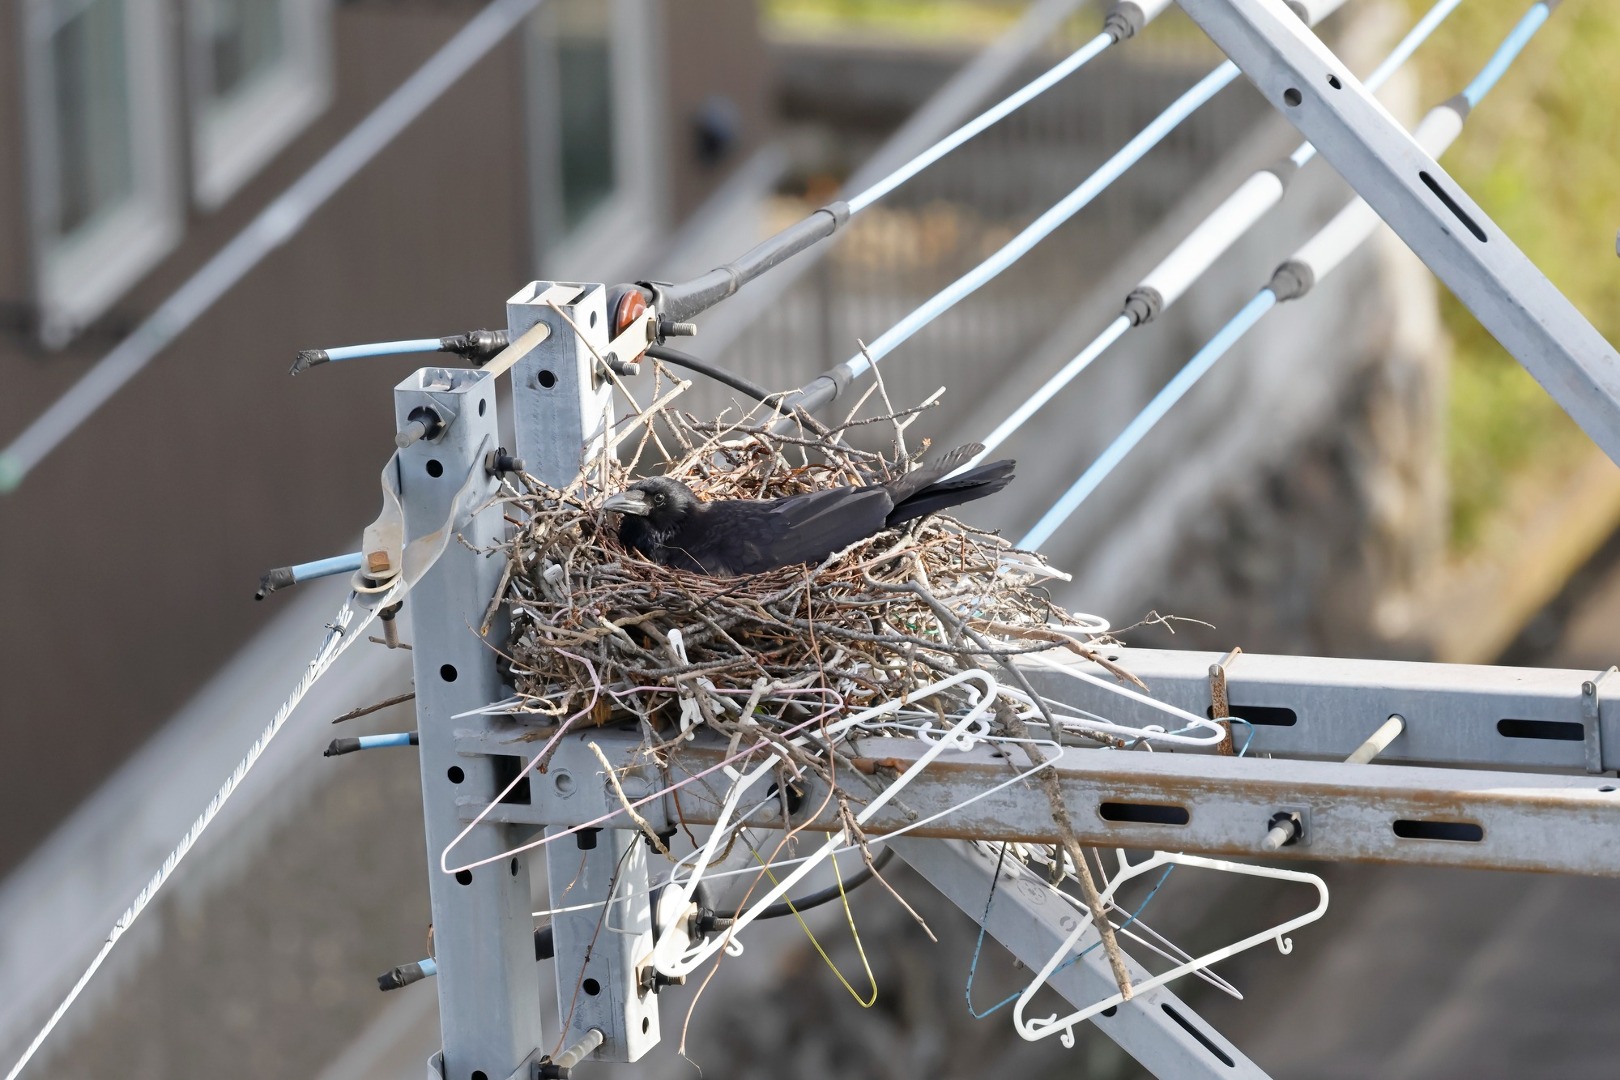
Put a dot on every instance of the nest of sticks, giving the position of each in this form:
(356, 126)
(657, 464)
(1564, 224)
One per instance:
(599, 631)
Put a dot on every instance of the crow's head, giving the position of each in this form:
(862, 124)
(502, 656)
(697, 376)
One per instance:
(662, 501)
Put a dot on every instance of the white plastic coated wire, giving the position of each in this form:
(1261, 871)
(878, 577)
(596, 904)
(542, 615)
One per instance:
(1198, 251)
(1068, 66)
(1043, 226)
(696, 954)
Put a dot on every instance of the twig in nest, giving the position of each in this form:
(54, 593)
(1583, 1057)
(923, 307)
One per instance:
(618, 789)
(366, 710)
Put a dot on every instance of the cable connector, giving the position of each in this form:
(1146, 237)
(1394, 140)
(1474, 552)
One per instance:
(406, 974)
(476, 345)
(1124, 20)
(1143, 305)
(307, 359)
(1292, 280)
(279, 578)
(339, 747)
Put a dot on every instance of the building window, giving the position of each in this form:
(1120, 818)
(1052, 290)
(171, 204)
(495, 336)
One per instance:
(591, 124)
(104, 190)
(261, 70)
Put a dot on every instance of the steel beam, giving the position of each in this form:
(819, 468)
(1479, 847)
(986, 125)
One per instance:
(1185, 802)
(488, 981)
(1429, 210)
(1156, 1028)
(1315, 707)
(562, 400)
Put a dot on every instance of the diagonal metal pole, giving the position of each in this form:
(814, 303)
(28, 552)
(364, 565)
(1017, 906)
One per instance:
(1429, 210)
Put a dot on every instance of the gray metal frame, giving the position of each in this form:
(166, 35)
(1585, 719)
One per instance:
(1204, 803)
(562, 398)
(1318, 707)
(488, 982)
(1427, 208)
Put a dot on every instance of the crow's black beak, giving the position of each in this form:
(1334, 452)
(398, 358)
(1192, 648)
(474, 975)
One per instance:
(628, 502)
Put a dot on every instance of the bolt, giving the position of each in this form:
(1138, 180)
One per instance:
(498, 462)
(412, 432)
(1285, 828)
(389, 628)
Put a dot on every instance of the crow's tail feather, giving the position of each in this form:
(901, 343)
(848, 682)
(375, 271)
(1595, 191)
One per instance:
(943, 494)
(924, 476)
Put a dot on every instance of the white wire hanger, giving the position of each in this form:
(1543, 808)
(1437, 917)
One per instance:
(671, 958)
(1032, 1029)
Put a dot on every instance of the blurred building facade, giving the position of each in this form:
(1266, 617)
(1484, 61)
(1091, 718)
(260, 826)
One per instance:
(141, 136)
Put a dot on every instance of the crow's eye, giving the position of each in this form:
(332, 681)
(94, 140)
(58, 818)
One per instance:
(658, 500)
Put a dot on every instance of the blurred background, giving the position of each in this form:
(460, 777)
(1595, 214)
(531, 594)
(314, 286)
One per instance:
(1368, 474)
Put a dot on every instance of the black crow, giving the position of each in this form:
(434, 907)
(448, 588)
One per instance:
(665, 522)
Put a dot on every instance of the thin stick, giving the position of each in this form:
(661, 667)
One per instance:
(366, 710)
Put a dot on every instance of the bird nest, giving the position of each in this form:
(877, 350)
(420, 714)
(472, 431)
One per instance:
(598, 630)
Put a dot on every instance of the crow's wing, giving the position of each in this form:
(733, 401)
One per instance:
(749, 537)
(902, 488)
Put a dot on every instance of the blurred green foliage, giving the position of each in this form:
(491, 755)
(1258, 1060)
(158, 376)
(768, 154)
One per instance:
(1541, 155)
(956, 20)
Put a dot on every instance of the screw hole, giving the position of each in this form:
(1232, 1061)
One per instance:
(547, 378)
(455, 774)
(1292, 96)
(482, 405)
(464, 877)
(591, 987)
(434, 468)
(448, 673)
(1606, 787)
(514, 868)
(593, 318)
(1333, 81)
(646, 1022)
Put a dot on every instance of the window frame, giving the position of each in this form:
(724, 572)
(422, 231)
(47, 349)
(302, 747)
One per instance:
(233, 139)
(79, 275)
(616, 232)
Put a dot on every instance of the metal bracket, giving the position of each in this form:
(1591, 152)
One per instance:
(563, 404)
(1592, 718)
(488, 982)
(562, 401)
